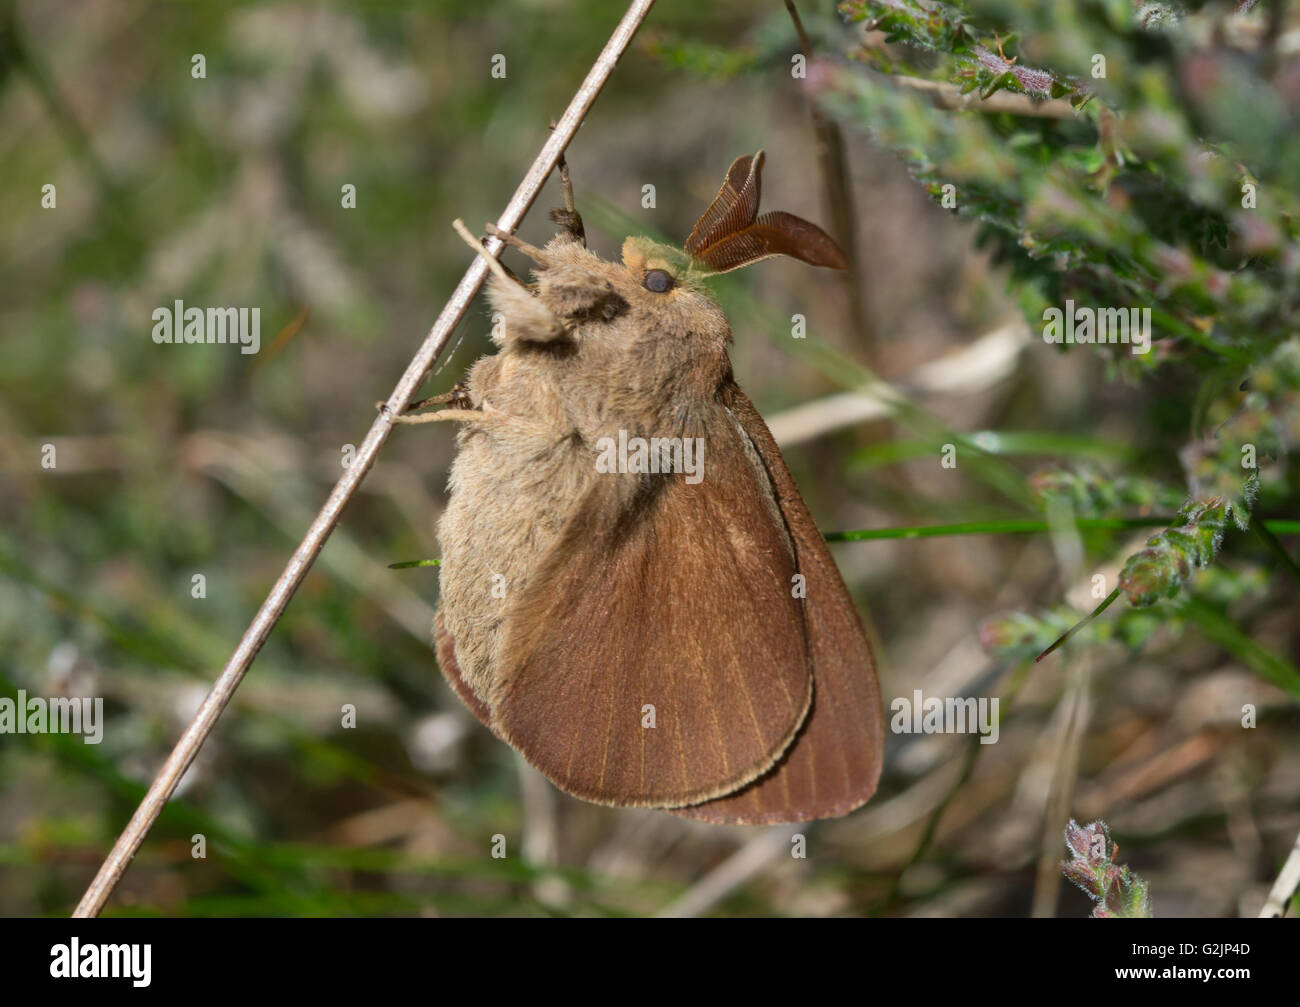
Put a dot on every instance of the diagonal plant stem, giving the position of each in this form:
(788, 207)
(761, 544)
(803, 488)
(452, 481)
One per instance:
(1266, 535)
(1221, 630)
(837, 194)
(1013, 526)
(164, 784)
(1060, 640)
(1005, 526)
(1288, 880)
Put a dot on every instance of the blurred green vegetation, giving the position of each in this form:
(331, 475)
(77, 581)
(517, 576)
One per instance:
(174, 461)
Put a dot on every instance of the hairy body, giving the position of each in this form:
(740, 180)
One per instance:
(529, 458)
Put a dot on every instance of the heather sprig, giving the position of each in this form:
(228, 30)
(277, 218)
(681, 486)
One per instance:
(1243, 453)
(978, 59)
(1118, 892)
(1162, 569)
(1148, 189)
(1091, 492)
(1130, 201)
(1022, 636)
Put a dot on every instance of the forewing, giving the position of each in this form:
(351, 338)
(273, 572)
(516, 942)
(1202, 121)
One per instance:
(834, 764)
(672, 607)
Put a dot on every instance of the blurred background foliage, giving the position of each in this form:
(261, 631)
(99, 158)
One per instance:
(1118, 191)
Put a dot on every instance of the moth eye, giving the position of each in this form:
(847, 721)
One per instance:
(658, 281)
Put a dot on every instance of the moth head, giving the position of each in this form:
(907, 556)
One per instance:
(659, 269)
(653, 311)
(655, 286)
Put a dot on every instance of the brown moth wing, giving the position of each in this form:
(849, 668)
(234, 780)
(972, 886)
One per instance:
(678, 597)
(446, 648)
(774, 233)
(834, 764)
(734, 207)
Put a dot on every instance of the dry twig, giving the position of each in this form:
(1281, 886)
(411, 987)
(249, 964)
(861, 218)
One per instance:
(164, 784)
(1288, 880)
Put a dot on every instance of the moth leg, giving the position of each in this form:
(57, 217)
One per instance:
(498, 268)
(456, 398)
(567, 217)
(532, 251)
(461, 415)
(484, 414)
(495, 265)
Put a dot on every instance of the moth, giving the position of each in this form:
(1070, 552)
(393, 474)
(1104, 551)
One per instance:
(633, 593)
